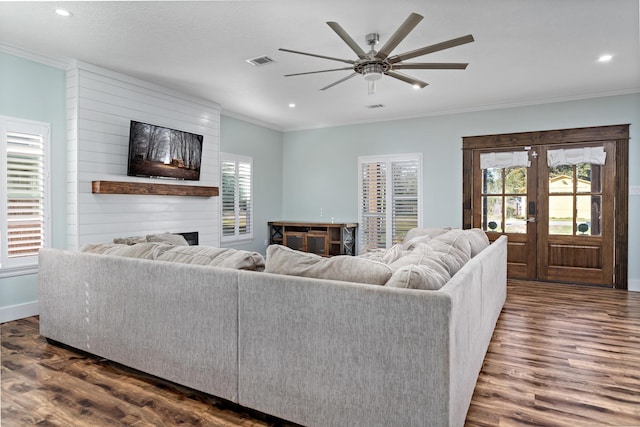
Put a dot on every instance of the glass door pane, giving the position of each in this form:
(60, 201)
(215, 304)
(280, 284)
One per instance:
(504, 200)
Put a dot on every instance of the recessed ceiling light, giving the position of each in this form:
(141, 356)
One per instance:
(605, 58)
(63, 12)
(292, 105)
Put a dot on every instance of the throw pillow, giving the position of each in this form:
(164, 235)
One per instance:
(130, 240)
(140, 250)
(423, 255)
(284, 260)
(386, 256)
(217, 257)
(477, 239)
(168, 238)
(98, 248)
(418, 277)
(454, 247)
(421, 232)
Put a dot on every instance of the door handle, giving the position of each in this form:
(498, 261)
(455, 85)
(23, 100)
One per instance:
(531, 219)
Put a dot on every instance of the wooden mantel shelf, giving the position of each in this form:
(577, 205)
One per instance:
(118, 187)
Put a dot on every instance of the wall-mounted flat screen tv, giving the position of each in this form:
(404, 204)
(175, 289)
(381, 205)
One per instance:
(160, 152)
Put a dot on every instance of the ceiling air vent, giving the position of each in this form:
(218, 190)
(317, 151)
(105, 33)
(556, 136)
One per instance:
(261, 60)
(375, 106)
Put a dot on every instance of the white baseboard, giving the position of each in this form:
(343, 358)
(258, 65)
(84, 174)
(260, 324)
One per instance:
(19, 311)
(633, 285)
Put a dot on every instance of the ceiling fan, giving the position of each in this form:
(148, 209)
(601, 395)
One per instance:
(374, 64)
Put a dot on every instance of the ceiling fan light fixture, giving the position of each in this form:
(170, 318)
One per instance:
(372, 72)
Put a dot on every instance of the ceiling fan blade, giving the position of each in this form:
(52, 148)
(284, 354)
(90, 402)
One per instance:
(407, 79)
(347, 39)
(400, 34)
(430, 49)
(321, 71)
(430, 66)
(340, 81)
(347, 61)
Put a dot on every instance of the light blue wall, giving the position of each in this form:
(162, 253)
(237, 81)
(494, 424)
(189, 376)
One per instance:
(30, 90)
(320, 165)
(264, 145)
(301, 175)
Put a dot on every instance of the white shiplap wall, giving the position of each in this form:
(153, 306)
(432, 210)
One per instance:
(100, 105)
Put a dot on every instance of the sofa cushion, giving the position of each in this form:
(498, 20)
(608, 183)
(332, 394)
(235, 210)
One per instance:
(423, 255)
(477, 239)
(130, 240)
(423, 232)
(140, 250)
(421, 276)
(386, 256)
(453, 247)
(217, 257)
(168, 238)
(284, 260)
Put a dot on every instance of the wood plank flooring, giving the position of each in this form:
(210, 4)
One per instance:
(561, 355)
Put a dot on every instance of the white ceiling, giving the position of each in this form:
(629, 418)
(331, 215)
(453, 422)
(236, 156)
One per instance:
(525, 51)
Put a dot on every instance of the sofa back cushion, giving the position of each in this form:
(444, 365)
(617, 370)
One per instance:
(477, 239)
(430, 276)
(168, 238)
(200, 255)
(139, 250)
(284, 260)
(423, 232)
(217, 257)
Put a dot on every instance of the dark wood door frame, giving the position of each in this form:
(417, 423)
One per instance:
(617, 133)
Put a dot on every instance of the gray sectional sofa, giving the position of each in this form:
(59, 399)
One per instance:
(315, 351)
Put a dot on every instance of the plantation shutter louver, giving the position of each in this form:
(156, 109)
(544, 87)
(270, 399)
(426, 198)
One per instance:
(405, 197)
(237, 203)
(228, 198)
(389, 199)
(244, 198)
(25, 194)
(373, 222)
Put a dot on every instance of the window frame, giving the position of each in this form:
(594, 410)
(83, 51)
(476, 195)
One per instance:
(10, 266)
(389, 195)
(237, 237)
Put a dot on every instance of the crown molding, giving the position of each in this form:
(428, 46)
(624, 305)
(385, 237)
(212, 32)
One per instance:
(472, 109)
(61, 63)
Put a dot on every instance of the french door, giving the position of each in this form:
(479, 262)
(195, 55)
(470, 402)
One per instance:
(557, 196)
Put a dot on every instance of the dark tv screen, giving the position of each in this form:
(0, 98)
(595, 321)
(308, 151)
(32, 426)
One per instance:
(161, 152)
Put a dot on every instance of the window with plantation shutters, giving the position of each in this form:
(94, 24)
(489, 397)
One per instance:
(23, 205)
(237, 200)
(390, 199)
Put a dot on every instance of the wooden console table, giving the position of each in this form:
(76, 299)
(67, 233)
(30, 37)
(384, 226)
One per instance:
(326, 239)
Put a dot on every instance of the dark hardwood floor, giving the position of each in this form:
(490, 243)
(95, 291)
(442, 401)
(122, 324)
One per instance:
(561, 355)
